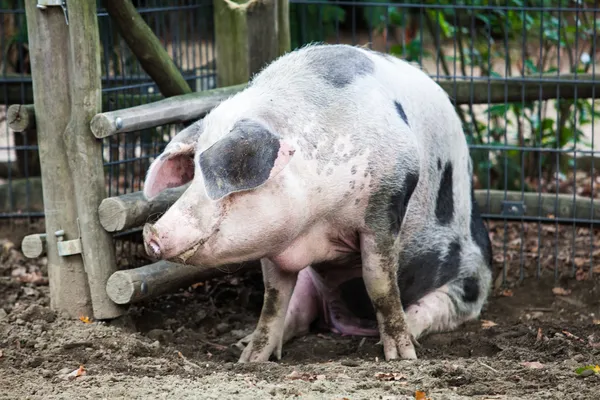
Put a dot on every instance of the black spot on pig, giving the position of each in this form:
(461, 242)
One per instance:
(449, 267)
(479, 233)
(444, 209)
(339, 65)
(439, 164)
(242, 160)
(470, 289)
(427, 271)
(399, 201)
(401, 113)
(417, 275)
(353, 170)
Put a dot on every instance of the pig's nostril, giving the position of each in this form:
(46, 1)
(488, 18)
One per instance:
(152, 242)
(154, 247)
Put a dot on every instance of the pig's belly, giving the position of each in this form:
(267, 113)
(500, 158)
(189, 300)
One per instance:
(344, 306)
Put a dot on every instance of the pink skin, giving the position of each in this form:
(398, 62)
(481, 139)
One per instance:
(313, 298)
(214, 237)
(257, 224)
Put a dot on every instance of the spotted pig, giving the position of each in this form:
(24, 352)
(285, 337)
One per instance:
(347, 173)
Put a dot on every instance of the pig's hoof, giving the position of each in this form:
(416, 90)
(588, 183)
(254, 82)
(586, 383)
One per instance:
(399, 347)
(242, 343)
(260, 350)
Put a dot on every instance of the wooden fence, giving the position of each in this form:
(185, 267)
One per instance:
(84, 280)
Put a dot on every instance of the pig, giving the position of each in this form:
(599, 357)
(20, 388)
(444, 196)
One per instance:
(346, 172)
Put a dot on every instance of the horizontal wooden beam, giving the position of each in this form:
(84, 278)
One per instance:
(131, 210)
(527, 89)
(137, 284)
(176, 109)
(196, 105)
(34, 246)
(545, 205)
(21, 117)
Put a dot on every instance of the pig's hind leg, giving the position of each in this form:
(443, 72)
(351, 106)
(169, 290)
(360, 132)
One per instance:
(442, 291)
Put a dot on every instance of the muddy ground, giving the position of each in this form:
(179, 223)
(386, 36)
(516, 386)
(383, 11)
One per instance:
(529, 343)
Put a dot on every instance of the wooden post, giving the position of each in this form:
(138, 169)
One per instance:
(283, 27)
(48, 39)
(248, 35)
(85, 154)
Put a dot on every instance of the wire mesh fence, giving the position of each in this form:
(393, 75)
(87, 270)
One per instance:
(521, 73)
(184, 27)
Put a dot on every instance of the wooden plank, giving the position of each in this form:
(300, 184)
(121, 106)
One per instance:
(85, 154)
(34, 246)
(21, 117)
(148, 49)
(48, 35)
(120, 213)
(137, 284)
(515, 90)
(176, 109)
(546, 205)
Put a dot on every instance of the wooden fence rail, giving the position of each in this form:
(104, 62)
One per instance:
(79, 219)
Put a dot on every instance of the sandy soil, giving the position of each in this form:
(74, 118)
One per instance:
(528, 344)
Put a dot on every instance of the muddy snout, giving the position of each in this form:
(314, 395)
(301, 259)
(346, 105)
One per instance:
(152, 243)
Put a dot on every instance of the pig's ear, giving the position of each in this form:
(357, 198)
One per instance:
(244, 159)
(175, 165)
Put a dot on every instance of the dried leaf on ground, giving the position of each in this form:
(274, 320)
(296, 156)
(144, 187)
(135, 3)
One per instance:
(596, 321)
(85, 319)
(420, 395)
(539, 335)
(76, 373)
(533, 364)
(561, 291)
(571, 336)
(507, 293)
(390, 376)
(295, 375)
(485, 324)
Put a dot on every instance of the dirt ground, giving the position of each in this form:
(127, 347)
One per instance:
(528, 344)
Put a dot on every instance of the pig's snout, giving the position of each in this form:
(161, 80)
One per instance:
(152, 241)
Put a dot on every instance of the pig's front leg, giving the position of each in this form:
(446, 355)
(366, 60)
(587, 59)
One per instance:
(267, 338)
(380, 265)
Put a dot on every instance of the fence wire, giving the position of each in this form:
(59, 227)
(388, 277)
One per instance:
(522, 75)
(506, 64)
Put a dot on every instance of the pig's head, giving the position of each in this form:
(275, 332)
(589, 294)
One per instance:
(243, 202)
